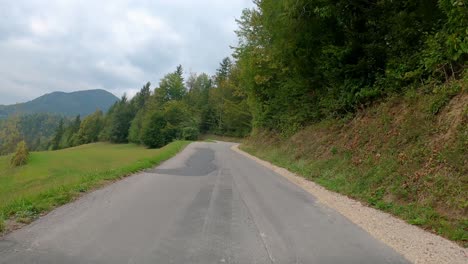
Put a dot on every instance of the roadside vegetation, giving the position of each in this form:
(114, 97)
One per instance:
(53, 178)
(21, 155)
(399, 155)
(365, 98)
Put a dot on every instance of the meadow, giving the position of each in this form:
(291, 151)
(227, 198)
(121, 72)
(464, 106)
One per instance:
(53, 178)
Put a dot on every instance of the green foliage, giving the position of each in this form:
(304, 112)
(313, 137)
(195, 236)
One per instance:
(152, 132)
(190, 133)
(21, 155)
(90, 128)
(394, 156)
(118, 120)
(134, 133)
(443, 95)
(9, 135)
(222, 73)
(302, 61)
(229, 113)
(181, 111)
(171, 87)
(66, 136)
(55, 143)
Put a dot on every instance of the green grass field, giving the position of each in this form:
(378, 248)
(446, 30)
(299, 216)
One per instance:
(53, 178)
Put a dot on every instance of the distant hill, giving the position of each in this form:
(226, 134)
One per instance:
(67, 104)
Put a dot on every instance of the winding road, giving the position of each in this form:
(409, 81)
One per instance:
(208, 204)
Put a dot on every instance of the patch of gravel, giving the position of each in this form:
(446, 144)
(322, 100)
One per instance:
(414, 243)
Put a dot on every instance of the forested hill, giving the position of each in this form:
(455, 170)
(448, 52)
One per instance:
(68, 104)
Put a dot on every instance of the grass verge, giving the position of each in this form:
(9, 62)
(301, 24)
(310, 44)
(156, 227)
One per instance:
(53, 178)
(406, 155)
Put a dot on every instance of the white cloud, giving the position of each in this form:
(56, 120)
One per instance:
(39, 26)
(117, 45)
(125, 70)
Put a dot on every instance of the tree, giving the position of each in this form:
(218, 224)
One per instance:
(55, 143)
(139, 100)
(198, 98)
(120, 120)
(70, 134)
(223, 71)
(171, 87)
(152, 130)
(21, 156)
(139, 105)
(90, 128)
(134, 133)
(179, 71)
(232, 115)
(9, 135)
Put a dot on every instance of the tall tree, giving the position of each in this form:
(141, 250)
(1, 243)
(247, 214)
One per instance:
(90, 128)
(223, 71)
(55, 143)
(140, 104)
(9, 135)
(171, 87)
(120, 121)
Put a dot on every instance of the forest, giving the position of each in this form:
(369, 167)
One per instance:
(297, 62)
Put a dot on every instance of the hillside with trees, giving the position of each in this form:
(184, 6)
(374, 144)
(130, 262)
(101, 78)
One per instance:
(60, 103)
(37, 121)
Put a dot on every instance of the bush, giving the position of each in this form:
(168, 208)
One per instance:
(152, 130)
(190, 133)
(21, 155)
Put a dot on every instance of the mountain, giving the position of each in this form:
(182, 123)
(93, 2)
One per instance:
(67, 104)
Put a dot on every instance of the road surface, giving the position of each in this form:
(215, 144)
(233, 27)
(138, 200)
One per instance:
(208, 204)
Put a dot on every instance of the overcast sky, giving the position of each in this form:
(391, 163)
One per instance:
(117, 45)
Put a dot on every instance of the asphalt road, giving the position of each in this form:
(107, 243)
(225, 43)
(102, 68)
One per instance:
(208, 204)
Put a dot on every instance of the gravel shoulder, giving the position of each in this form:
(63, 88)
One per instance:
(414, 243)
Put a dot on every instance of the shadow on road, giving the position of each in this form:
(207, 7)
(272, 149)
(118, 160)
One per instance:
(199, 164)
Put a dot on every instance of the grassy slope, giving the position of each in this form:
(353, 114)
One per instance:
(407, 156)
(53, 178)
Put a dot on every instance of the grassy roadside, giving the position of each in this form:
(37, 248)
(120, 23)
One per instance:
(53, 178)
(406, 156)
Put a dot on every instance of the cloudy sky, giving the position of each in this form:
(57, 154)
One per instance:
(117, 45)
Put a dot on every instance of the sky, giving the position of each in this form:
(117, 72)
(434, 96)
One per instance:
(116, 45)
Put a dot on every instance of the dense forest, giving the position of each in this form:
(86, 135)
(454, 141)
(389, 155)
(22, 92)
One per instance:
(35, 129)
(301, 61)
(297, 62)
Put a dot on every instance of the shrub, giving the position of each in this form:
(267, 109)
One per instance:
(152, 130)
(21, 155)
(190, 133)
